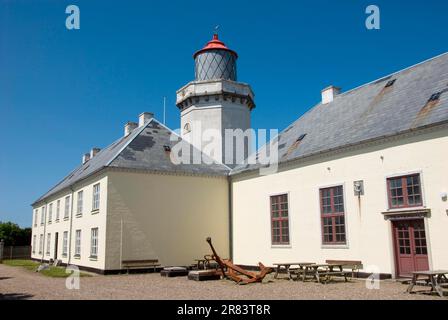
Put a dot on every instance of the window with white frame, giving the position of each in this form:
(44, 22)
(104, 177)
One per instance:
(34, 243)
(94, 243)
(41, 242)
(78, 243)
(58, 209)
(35, 217)
(67, 207)
(64, 243)
(42, 216)
(96, 197)
(50, 212)
(48, 243)
(79, 203)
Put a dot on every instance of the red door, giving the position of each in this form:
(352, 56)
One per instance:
(411, 253)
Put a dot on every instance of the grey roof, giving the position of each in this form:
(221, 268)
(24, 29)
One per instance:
(368, 112)
(143, 148)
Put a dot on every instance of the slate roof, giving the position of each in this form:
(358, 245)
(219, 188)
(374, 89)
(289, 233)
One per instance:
(371, 111)
(143, 148)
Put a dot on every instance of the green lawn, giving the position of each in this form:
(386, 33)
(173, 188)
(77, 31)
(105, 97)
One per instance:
(56, 272)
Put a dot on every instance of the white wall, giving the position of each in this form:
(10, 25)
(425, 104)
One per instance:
(85, 222)
(368, 233)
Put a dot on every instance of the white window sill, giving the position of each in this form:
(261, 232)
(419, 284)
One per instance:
(95, 211)
(93, 258)
(78, 215)
(335, 246)
(281, 246)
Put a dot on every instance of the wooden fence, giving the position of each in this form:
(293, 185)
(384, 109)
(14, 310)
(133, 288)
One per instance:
(15, 252)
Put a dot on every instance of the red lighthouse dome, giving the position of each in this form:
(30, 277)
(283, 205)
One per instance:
(215, 44)
(215, 61)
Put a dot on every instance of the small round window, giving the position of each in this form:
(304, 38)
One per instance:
(187, 128)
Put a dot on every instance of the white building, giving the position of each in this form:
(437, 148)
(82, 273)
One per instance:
(363, 175)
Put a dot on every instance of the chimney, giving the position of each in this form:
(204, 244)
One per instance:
(144, 117)
(129, 126)
(85, 157)
(329, 93)
(93, 152)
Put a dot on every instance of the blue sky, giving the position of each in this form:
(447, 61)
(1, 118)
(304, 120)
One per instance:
(63, 92)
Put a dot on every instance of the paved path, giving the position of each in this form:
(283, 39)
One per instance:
(19, 283)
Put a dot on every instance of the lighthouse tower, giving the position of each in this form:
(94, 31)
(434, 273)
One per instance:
(215, 101)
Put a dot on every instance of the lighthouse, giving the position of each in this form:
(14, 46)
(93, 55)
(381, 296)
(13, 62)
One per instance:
(216, 102)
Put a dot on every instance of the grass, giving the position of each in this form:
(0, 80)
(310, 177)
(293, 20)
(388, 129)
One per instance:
(54, 272)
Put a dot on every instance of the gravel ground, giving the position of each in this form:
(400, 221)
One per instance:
(18, 283)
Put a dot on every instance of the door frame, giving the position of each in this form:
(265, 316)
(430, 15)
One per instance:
(56, 240)
(395, 247)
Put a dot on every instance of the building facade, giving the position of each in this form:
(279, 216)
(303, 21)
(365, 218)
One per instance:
(361, 176)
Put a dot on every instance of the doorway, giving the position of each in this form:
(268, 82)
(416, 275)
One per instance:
(411, 252)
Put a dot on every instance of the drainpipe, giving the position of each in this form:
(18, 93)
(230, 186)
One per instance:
(70, 229)
(230, 218)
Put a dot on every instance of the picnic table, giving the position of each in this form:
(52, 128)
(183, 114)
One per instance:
(287, 267)
(319, 270)
(433, 277)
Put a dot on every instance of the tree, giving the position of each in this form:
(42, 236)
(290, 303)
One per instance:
(13, 235)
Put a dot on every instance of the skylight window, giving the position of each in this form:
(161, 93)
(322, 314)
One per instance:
(390, 83)
(301, 137)
(435, 97)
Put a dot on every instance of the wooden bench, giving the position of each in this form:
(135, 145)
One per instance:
(140, 264)
(353, 265)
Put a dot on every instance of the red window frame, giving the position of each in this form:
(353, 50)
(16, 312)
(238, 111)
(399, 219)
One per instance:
(404, 192)
(279, 208)
(333, 215)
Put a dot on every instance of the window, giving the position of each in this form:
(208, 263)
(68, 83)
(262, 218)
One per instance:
(187, 128)
(64, 243)
(78, 243)
(332, 215)
(50, 212)
(48, 243)
(34, 243)
(279, 220)
(35, 217)
(404, 192)
(94, 243)
(96, 197)
(41, 242)
(79, 203)
(58, 209)
(67, 207)
(42, 216)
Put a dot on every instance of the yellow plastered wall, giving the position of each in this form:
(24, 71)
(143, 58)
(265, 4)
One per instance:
(165, 217)
(369, 234)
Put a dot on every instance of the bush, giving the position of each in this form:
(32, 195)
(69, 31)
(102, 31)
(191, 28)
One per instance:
(13, 235)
